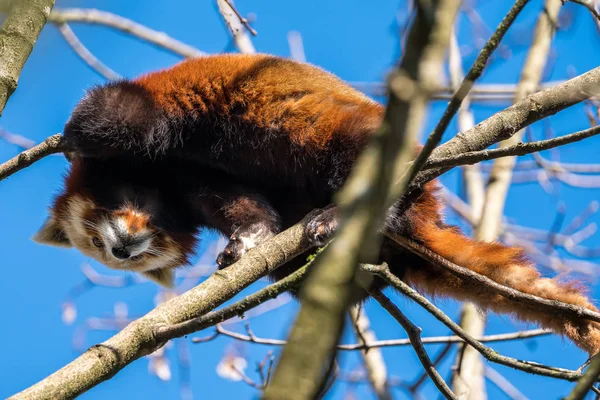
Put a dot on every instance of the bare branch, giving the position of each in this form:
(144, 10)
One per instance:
(488, 353)
(468, 375)
(503, 384)
(166, 333)
(551, 306)
(93, 16)
(531, 76)
(83, 53)
(414, 334)
(18, 35)
(365, 197)
(467, 83)
(586, 382)
(372, 357)
(236, 26)
(54, 144)
(104, 360)
(501, 337)
(590, 5)
(509, 121)
(243, 20)
(519, 149)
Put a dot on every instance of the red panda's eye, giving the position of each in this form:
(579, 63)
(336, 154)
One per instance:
(136, 258)
(97, 242)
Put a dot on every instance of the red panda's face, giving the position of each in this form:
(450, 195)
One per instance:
(122, 239)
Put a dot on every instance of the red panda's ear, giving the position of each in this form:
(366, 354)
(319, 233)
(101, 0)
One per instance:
(162, 276)
(51, 233)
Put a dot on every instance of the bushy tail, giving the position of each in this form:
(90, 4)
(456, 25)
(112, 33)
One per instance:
(507, 266)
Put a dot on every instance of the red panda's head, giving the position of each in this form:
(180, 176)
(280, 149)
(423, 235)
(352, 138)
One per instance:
(121, 237)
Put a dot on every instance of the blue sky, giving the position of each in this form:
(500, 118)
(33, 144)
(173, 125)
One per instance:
(354, 39)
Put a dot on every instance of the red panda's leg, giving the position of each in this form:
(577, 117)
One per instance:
(245, 217)
(321, 225)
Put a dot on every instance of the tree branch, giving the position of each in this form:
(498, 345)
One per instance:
(501, 337)
(585, 383)
(92, 16)
(509, 121)
(83, 53)
(372, 357)
(519, 149)
(18, 35)
(414, 334)
(104, 360)
(53, 144)
(552, 306)
(467, 83)
(364, 199)
(488, 353)
(236, 23)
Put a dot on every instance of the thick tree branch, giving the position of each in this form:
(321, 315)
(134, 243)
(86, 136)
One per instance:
(467, 83)
(363, 202)
(18, 34)
(509, 121)
(519, 149)
(104, 360)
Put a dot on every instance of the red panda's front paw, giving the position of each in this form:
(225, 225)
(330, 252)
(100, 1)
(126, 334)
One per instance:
(242, 240)
(321, 226)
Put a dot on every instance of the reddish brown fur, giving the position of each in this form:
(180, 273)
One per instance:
(265, 140)
(135, 220)
(287, 95)
(507, 266)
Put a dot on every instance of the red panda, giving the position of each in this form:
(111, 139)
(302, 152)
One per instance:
(247, 145)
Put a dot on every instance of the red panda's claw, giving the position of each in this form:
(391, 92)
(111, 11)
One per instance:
(242, 240)
(321, 226)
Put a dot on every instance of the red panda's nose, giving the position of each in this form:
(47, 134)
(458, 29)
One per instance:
(121, 253)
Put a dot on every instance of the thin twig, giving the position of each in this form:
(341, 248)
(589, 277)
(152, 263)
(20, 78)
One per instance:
(502, 337)
(83, 53)
(243, 20)
(414, 334)
(235, 26)
(93, 16)
(488, 353)
(503, 384)
(587, 4)
(372, 357)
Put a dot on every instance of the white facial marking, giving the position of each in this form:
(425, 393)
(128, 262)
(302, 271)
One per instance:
(108, 234)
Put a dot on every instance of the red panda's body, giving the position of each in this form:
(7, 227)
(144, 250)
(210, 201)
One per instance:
(247, 145)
